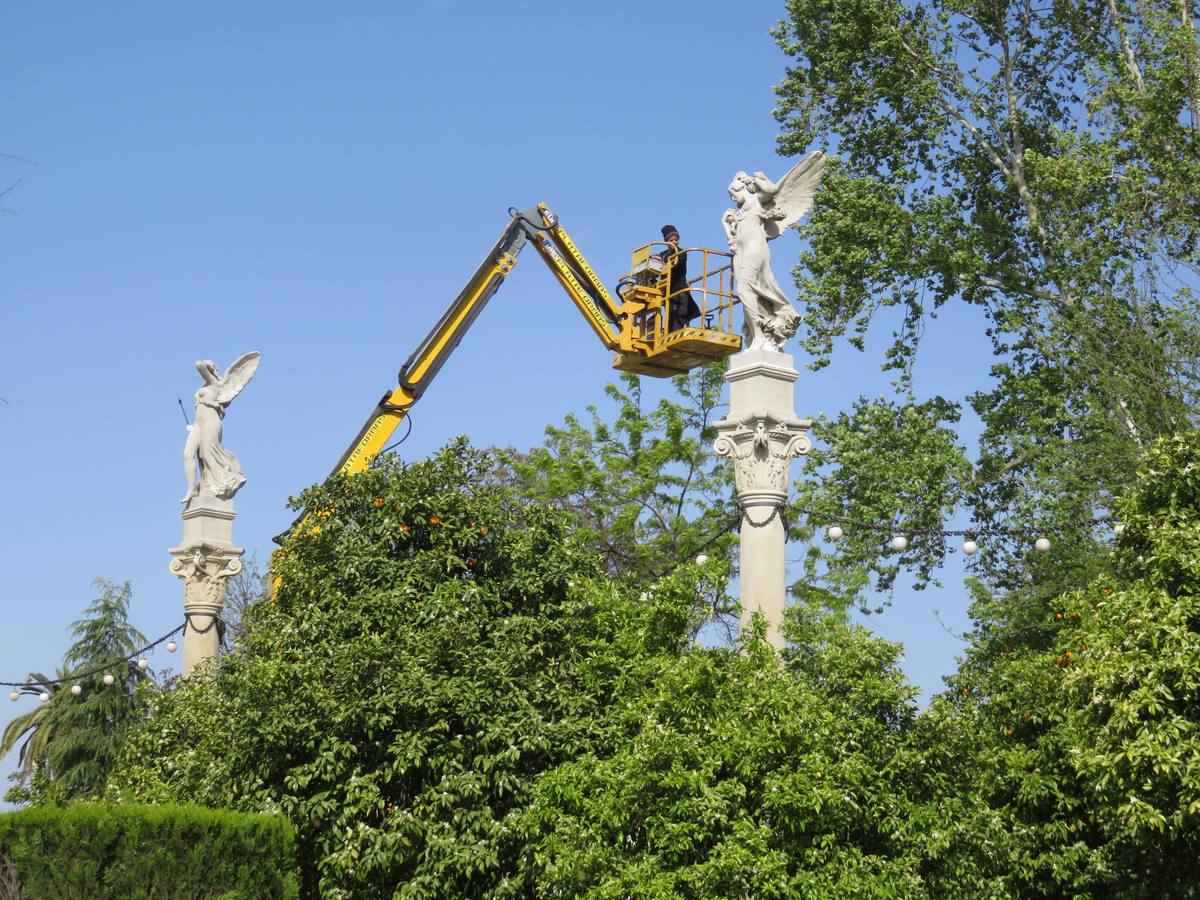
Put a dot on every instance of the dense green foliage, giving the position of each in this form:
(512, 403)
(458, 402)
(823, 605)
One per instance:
(71, 741)
(735, 776)
(100, 851)
(1073, 739)
(428, 654)
(645, 487)
(1037, 162)
(444, 659)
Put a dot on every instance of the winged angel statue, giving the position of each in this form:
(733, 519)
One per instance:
(764, 209)
(220, 474)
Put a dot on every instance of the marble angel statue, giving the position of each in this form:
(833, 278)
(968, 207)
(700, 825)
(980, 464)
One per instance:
(220, 474)
(764, 209)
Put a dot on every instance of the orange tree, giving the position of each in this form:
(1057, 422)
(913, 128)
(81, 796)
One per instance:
(1069, 744)
(444, 657)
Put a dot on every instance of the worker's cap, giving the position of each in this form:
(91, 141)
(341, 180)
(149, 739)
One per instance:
(669, 230)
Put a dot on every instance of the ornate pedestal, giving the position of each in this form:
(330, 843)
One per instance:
(762, 435)
(205, 560)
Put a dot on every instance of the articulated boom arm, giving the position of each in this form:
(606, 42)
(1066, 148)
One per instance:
(538, 225)
(636, 327)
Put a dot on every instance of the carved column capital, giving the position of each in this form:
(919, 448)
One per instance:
(762, 444)
(204, 569)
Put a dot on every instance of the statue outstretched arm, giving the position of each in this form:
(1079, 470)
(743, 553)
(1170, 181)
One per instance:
(729, 223)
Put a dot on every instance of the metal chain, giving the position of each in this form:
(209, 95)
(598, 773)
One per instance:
(214, 621)
(778, 510)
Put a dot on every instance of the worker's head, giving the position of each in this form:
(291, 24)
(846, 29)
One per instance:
(671, 235)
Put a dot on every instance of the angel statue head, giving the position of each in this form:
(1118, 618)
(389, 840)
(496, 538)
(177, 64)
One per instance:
(741, 184)
(764, 209)
(220, 476)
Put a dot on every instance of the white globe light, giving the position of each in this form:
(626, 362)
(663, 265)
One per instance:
(143, 664)
(76, 690)
(970, 547)
(1041, 545)
(1118, 528)
(44, 696)
(701, 559)
(172, 646)
(13, 695)
(899, 542)
(108, 679)
(834, 533)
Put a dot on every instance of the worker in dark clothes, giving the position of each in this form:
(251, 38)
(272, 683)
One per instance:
(682, 307)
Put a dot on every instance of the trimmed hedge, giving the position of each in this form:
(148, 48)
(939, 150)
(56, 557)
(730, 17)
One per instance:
(95, 850)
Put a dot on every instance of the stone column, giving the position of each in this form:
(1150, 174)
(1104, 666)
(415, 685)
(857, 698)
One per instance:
(205, 560)
(762, 435)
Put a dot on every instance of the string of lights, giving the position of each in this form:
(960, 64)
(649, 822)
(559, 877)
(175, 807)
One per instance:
(900, 537)
(41, 687)
(835, 532)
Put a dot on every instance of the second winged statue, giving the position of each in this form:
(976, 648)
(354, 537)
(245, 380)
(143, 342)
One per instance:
(764, 209)
(220, 475)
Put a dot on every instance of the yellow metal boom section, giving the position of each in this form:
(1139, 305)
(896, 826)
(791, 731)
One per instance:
(427, 359)
(577, 278)
(567, 265)
(635, 326)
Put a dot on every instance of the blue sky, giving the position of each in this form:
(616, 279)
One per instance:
(315, 181)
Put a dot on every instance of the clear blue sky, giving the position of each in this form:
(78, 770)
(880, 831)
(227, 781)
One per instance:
(315, 181)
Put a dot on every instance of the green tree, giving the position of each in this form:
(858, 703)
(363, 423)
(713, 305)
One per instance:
(1069, 745)
(73, 739)
(243, 590)
(436, 642)
(451, 690)
(1037, 162)
(24, 730)
(646, 488)
(736, 776)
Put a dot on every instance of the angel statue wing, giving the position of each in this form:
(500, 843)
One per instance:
(237, 376)
(794, 192)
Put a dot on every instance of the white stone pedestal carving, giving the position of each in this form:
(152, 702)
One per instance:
(205, 560)
(762, 435)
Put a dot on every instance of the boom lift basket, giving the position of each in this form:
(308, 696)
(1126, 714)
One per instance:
(645, 292)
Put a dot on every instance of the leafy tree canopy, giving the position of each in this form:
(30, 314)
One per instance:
(1074, 735)
(1037, 162)
(444, 660)
(71, 741)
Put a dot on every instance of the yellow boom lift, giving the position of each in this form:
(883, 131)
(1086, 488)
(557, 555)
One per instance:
(635, 326)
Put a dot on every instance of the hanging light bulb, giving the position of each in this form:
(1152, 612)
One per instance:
(1041, 545)
(834, 532)
(13, 695)
(143, 664)
(970, 548)
(172, 646)
(76, 689)
(899, 542)
(701, 559)
(44, 696)
(108, 679)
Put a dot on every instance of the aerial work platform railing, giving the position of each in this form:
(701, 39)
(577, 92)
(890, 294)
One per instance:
(647, 290)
